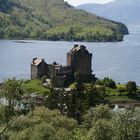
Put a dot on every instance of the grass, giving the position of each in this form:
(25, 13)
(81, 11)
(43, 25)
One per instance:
(122, 99)
(36, 86)
(112, 95)
(138, 90)
(120, 95)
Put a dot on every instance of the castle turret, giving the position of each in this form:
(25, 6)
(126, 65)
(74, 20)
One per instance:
(80, 60)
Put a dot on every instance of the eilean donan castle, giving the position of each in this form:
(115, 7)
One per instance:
(78, 60)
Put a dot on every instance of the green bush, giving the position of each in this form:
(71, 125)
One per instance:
(121, 89)
(131, 87)
(109, 83)
(99, 82)
(40, 124)
(100, 123)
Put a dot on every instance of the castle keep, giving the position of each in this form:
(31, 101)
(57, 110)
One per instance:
(78, 60)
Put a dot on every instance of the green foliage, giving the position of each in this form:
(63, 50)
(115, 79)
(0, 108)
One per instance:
(99, 112)
(43, 79)
(122, 95)
(55, 99)
(35, 86)
(101, 123)
(5, 114)
(77, 101)
(121, 89)
(42, 124)
(95, 95)
(109, 83)
(101, 130)
(126, 125)
(131, 87)
(99, 82)
(1, 33)
(55, 20)
(82, 77)
(12, 89)
(96, 123)
(12, 32)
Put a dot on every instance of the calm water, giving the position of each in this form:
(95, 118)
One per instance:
(120, 61)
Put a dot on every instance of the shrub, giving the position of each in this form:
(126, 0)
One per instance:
(131, 87)
(109, 82)
(121, 89)
(99, 82)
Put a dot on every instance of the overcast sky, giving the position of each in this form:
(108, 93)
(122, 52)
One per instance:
(78, 2)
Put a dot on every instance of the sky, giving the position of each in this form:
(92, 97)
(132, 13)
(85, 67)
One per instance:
(78, 2)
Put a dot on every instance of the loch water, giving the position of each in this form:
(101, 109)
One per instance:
(118, 60)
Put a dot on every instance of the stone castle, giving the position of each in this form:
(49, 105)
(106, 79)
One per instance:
(78, 60)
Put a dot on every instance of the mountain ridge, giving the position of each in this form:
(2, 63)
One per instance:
(125, 11)
(55, 20)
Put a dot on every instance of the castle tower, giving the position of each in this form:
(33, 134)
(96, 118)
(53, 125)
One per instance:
(80, 60)
(38, 68)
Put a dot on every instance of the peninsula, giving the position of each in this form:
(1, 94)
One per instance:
(55, 20)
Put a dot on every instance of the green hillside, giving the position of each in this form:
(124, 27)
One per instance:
(55, 20)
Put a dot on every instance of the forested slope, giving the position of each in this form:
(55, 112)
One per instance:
(55, 20)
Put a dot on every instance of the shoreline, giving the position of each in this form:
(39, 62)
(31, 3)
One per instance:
(32, 39)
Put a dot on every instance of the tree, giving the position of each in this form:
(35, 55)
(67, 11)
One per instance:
(12, 90)
(101, 123)
(77, 99)
(42, 124)
(94, 114)
(109, 82)
(12, 32)
(101, 130)
(126, 125)
(52, 99)
(97, 123)
(71, 34)
(1, 33)
(95, 95)
(131, 87)
(77, 102)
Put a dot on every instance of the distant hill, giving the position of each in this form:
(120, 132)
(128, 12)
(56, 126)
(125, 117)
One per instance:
(55, 20)
(126, 11)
